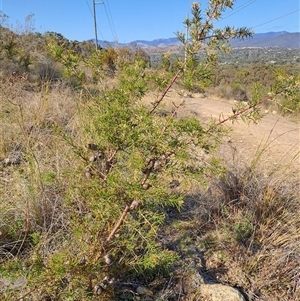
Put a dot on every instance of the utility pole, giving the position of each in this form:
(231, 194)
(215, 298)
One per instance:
(95, 21)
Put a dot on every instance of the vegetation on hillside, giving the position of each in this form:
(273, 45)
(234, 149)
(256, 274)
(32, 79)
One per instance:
(94, 180)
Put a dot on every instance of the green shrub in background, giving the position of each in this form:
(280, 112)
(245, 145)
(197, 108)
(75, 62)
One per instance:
(289, 87)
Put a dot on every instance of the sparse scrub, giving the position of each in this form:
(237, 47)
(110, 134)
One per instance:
(263, 214)
(243, 229)
(289, 102)
(91, 175)
(233, 91)
(241, 82)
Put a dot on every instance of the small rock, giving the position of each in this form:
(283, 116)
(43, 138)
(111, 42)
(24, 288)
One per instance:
(143, 291)
(6, 161)
(220, 292)
(103, 285)
(96, 156)
(98, 289)
(191, 281)
(14, 159)
(146, 186)
(93, 158)
(107, 259)
(100, 155)
(15, 156)
(93, 146)
(88, 174)
(12, 284)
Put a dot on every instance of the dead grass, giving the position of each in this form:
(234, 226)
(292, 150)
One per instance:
(244, 231)
(32, 187)
(256, 228)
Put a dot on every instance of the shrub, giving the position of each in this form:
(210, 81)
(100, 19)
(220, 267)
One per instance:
(101, 166)
(238, 93)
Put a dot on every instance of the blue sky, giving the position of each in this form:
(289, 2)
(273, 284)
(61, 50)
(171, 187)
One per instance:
(143, 19)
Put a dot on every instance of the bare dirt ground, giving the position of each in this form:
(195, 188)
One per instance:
(276, 139)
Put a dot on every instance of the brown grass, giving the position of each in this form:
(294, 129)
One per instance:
(244, 231)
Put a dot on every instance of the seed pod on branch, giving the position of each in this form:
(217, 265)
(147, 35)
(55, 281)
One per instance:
(134, 205)
(92, 146)
(146, 186)
(96, 156)
(88, 173)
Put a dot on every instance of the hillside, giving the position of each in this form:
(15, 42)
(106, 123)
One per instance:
(281, 39)
(272, 39)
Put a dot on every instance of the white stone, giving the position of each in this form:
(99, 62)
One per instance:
(220, 292)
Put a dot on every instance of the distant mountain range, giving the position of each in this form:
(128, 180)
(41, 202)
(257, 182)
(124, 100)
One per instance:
(280, 39)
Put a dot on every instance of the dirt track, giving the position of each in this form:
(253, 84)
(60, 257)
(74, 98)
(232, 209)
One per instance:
(278, 137)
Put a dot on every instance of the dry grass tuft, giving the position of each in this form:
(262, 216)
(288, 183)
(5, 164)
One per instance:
(33, 163)
(243, 231)
(250, 232)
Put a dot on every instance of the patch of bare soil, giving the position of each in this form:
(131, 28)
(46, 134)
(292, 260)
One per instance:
(275, 139)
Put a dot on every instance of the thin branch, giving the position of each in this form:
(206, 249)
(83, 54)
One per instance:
(110, 159)
(201, 36)
(118, 224)
(174, 113)
(28, 293)
(166, 90)
(150, 167)
(242, 111)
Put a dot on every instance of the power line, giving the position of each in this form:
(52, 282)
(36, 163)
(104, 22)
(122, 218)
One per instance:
(241, 8)
(244, 4)
(93, 17)
(108, 16)
(252, 1)
(89, 7)
(109, 23)
(112, 21)
(276, 18)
